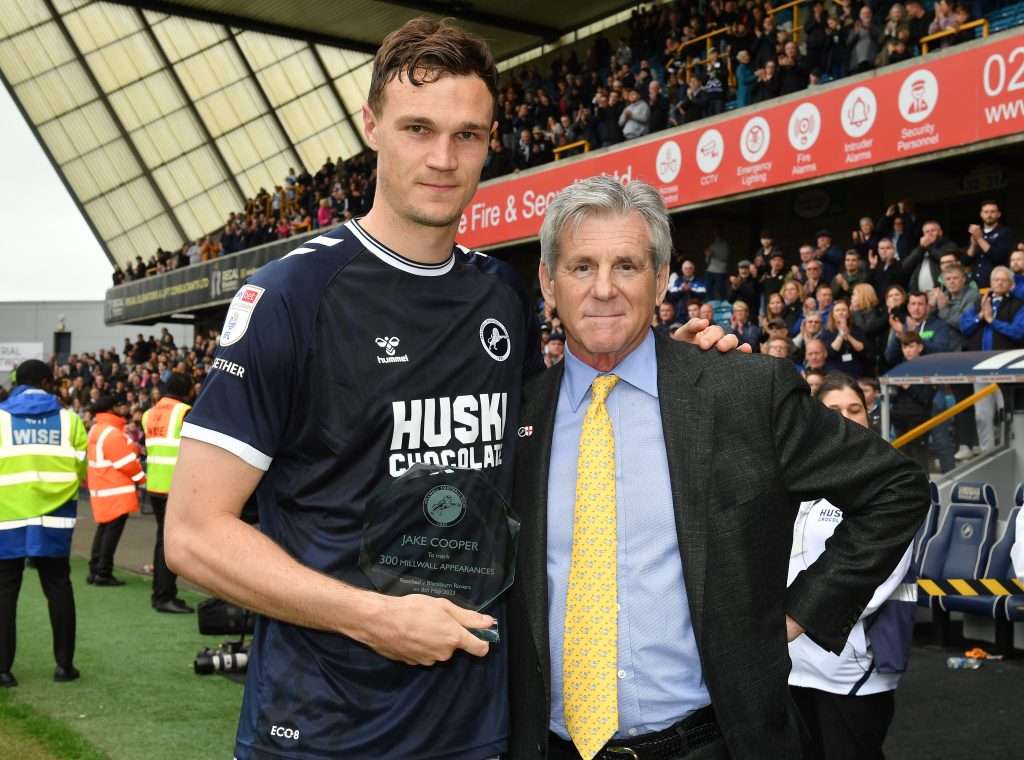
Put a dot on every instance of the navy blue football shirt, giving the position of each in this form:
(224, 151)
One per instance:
(339, 367)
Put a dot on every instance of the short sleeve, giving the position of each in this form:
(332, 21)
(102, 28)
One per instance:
(247, 394)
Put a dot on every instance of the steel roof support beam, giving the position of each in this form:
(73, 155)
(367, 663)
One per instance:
(263, 96)
(232, 179)
(466, 12)
(116, 119)
(333, 87)
(60, 171)
(253, 25)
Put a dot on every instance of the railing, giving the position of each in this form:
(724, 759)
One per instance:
(938, 419)
(982, 22)
(704, 37)
(585, 144)
(796, 16)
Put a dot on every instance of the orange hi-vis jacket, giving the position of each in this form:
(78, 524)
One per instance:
(114, 469)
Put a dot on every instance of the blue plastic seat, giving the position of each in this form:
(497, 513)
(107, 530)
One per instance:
(997, 567)
(960, 547)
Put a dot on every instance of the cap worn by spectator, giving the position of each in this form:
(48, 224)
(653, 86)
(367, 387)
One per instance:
(745, 263)
(823, 233)
(778, 323)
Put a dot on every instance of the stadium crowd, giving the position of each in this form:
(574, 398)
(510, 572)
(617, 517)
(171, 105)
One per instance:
(896, 287)
(302, 203)
(651, 78)
(136, 376)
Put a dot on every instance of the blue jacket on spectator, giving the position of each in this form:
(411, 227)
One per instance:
(1006, 330)
(934, 334)
(749, 334)
(745, 81)
(1018, 286)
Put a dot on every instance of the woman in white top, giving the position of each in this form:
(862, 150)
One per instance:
(1017, 550)
(845, 702)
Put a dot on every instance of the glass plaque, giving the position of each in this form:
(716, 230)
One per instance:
(444, 532)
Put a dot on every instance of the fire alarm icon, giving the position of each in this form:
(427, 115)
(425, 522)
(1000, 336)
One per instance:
(804, 126)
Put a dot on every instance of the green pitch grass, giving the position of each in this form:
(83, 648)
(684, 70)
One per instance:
(138, 698)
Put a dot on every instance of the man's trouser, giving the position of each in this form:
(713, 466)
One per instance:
(104, 544)
(165, 583)
(965, 423)
(55, 578)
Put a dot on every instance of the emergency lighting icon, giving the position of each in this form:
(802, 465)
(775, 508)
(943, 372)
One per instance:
(804, 126)
(860, 108)
(710, 150)
(918, 95)
(754, 139)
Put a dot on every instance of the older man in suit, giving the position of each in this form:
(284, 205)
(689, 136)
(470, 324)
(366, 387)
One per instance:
(657, 487)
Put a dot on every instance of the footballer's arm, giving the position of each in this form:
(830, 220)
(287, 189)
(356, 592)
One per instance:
(207, 542)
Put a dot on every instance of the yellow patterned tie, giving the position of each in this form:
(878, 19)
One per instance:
(590, 650)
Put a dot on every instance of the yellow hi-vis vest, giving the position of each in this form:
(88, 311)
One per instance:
(40, 469)
(162, 426)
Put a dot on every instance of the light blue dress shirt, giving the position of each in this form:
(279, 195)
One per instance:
(660, 676)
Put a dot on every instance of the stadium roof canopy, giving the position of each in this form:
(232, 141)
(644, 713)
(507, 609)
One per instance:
(163, 116)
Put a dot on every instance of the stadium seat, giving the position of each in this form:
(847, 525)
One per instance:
(1004, 18)
(928, 527)
(960, 547)
(997, 567)
(723, 313)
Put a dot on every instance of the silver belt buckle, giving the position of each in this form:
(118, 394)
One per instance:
(624, 751)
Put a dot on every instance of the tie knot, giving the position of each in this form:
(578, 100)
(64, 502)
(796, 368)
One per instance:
(602, 386)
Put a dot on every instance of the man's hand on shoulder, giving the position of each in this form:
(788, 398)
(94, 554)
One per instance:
(704, 335)
(423, 630)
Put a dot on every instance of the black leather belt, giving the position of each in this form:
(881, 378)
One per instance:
(676, 741)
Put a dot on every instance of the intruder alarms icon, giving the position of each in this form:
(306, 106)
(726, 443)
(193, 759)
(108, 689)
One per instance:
(859, 111)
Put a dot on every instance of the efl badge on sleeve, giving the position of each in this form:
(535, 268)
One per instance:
(242, 307)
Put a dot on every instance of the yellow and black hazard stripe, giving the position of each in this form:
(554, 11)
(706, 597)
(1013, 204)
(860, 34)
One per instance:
(970, 586)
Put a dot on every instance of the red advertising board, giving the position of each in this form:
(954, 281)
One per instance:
(934, 103)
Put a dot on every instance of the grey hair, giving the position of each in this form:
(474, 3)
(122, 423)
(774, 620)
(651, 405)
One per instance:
(606, 196)
(1003, 270)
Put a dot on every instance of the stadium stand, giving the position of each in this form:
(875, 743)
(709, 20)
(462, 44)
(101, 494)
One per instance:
(300, 204)
(677, 63)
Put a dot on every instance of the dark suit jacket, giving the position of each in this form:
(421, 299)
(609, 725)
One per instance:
(745, 444)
